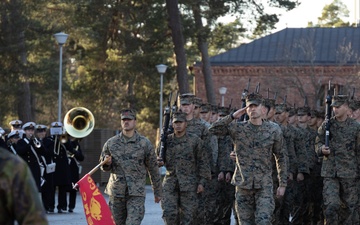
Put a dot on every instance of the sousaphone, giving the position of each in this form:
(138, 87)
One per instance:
(79, 122)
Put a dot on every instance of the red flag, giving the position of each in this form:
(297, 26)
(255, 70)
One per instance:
(96, 209)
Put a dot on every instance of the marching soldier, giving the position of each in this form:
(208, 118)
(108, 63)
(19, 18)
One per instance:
(205, 112)
(340, 166)
(186, 173)
(16, 125)
(31, 150)
(132, 156)
(255, 141)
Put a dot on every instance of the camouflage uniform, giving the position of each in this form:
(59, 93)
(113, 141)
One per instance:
(132, 158)
(226, 193)
(254, 146)
(340, 168)
(186, 168)
(19, 194)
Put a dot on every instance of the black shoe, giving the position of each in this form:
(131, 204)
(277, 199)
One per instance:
(60, 211)
(63, 209)
(50, 210)
(71, 210)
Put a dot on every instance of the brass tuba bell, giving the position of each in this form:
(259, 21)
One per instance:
(79, 122)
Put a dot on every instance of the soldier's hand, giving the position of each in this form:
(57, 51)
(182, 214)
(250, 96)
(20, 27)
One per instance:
(221, 176)
(157, 199)
(160, 161)
(228, 177)
(280, 192)
(300, 177)
(233, 156)
(108, 158)
(239, 113)
(200, 189)
(325, 150)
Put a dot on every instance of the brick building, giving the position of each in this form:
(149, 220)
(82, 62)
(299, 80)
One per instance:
(295, 62)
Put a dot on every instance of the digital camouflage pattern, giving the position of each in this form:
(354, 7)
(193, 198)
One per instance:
(19, 195)
(340, 171)
(187, 166)
(254, 146)
(132, 159)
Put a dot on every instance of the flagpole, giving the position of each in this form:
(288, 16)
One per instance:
(75, 186)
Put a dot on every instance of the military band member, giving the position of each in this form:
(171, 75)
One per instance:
(16, 125)
(75, 158)
(60, 145)
(340, 166)
(13, 137)
(2, 139)
(255, 141)
(30, 150)
(132, 156)
(187, 170)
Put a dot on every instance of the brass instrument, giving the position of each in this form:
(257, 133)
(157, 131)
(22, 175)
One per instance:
(79, 122)
(37, 143)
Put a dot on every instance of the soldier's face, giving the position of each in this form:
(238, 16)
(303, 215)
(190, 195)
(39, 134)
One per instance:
(179, 127)
(312, 121)
(355, 114)
(341, 111)
(255, 111)
(303, 118)
(280, 117)
(188, 109)
(196, 112)
(128, 125)
(205, 116)
(29, 133)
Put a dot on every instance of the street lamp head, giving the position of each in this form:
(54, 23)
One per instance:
(61, 38)
(222, 90)
(161, 68)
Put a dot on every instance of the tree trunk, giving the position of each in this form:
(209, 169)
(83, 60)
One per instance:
(178, 40)
(203, 48)
(25, 112)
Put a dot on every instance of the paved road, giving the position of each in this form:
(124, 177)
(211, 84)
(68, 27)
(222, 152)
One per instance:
(152, 213)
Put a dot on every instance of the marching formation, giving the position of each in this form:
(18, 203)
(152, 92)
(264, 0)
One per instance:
(266, 163)
(53, 157)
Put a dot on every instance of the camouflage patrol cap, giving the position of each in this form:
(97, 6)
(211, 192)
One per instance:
(291, 111)
(214, 109)
(320, 114)
(354, 104)
(302, 111)
(223, 111)
(128, 114)
(205, 108)
(313, 113)
(339, 100)
(254, 99)
(197, 101)
(269, 102)
(280, 108)
(179, 117)
(187, 99)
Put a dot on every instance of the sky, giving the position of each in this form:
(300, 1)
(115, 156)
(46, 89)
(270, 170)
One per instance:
(310, 10)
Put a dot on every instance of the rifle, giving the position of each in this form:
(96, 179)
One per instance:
(165, 129)
(328, 116)
(243, 100)
(174, 109)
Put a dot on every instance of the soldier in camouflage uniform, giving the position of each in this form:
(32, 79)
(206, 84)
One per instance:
(20, 199)
(355, 109)
(255, 141)
(205, 112)
(132, 156)
(340, 166)
(187, 169)
(226, 167)
(207, 203)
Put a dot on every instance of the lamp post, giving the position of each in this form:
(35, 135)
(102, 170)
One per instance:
(61, 39)
(222, 92)
(161, 68)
